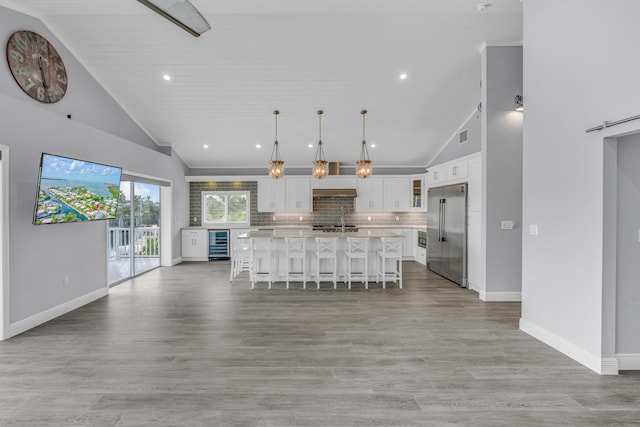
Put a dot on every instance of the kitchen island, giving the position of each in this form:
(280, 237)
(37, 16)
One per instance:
(278, 257)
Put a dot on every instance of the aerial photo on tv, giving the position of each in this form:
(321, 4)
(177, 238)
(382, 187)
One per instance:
(73, 190)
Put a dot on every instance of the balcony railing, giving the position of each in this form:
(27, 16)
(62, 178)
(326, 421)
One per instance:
(145, 243)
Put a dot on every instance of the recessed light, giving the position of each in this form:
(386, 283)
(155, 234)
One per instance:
(205, 146)
(403, 76)
(258, 145)
(373, 145)
(167, 77)
(310, 145)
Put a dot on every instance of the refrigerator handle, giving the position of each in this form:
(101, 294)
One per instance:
(440, 221)
(443, 220)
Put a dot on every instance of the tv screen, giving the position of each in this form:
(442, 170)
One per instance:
(72, 190)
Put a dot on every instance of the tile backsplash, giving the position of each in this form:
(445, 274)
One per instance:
(325, 210)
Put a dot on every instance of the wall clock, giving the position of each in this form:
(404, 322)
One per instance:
(36, 66)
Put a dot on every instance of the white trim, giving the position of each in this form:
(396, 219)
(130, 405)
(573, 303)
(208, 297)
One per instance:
(50, 314)
(499, 44)
(4, 243)
(166, 225)
(500, 296)
(176, 261)
(628, 361)
(602, 366)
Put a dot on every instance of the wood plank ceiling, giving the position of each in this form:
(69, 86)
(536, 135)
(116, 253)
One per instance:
(296, 56)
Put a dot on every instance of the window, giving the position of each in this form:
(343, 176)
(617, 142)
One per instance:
(225, 207)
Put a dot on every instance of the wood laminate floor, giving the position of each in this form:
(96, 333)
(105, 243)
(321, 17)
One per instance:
(182, 346)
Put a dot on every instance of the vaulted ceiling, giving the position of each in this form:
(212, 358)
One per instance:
(296, 56)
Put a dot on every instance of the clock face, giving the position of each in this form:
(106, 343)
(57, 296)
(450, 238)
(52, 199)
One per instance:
(36, 66)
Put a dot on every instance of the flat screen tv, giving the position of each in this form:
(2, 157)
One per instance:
(72, 190)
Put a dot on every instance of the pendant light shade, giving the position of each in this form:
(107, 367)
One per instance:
(320, 165)
(276, 165)
(364, 169)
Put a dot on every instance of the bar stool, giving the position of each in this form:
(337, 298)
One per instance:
(357, 249)
(261, 265)
(326, 249)
(391, 252)
(296, 252)
(241, 255)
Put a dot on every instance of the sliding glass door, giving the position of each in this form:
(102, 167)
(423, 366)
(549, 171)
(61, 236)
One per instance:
(134, 235)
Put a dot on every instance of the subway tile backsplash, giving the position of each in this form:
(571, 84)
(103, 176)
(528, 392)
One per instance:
(325, 210)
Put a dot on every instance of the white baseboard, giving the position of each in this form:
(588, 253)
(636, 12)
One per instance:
(176, 261)
(628, 362)
(601, 365)
(40, 318)
(500, 296)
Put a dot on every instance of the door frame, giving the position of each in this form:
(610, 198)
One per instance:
(4, 242)
(166, 230)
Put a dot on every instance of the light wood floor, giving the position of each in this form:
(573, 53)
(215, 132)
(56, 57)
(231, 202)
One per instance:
(182, 346)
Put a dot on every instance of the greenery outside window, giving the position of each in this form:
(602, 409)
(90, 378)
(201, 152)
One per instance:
(225, 208)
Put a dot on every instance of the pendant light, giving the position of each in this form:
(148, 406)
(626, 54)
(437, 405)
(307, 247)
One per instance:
(320, 165)
(276, 168)
(363, 170)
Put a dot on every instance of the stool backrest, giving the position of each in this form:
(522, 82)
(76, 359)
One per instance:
(326, 245)
(392, 246)
(357, 245)
(295, 244)
(261, 244)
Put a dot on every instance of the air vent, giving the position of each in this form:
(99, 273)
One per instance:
(463, 136)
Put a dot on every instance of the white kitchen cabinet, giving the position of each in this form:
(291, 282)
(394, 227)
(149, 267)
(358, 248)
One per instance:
(456, 170)
(370, 195)
(271, 195)
(418, 192)
(298, 195)
(410, 239)
(195, 244)
(436, 175)
(397, 194)
(449, 173)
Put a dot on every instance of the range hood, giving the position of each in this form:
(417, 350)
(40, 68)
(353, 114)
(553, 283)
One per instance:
(335, 192)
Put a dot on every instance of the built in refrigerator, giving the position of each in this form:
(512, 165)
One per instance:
(447, 232)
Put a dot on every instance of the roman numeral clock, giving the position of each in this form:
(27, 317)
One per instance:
(36, 66)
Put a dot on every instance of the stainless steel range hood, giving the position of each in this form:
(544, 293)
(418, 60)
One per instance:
(335, 192)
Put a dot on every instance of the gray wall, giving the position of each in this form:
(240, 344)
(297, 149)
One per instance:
(572, 47)
(100, 131)
(502, 167)
(85, 99)
(628, 247)
(453, 150)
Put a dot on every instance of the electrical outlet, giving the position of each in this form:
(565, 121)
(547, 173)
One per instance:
(397, 218)
(195, 219)
(300, 218)
(369, 219)
(506, 225)
(533, 230)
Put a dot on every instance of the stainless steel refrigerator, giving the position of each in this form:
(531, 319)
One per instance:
(447, 232)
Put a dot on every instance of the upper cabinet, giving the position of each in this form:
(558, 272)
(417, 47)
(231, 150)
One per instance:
(271, 195)
(370, 194)
(449, 173)
(298, 195)
(397, 194)
(417, 193)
